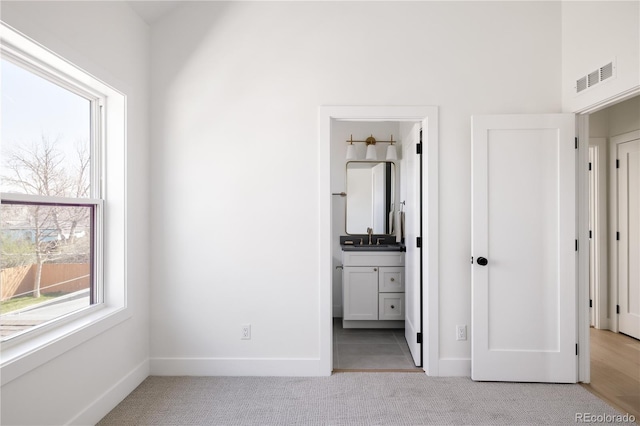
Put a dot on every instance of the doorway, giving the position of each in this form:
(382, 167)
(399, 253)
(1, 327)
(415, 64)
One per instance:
(427, 116)
(614, 284)
(614, 281)
(374, 293)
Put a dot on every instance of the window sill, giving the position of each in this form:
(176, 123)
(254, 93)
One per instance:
(29, 352)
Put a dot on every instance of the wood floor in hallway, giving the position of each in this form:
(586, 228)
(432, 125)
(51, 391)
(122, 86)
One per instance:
(615, 370)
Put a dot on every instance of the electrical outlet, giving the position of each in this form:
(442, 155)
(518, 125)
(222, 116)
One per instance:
(246, 332)
(461, 332)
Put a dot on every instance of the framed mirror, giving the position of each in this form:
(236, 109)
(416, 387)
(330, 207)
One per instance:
(370, 196)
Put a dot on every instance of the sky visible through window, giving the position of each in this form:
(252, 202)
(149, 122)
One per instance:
(34, 108)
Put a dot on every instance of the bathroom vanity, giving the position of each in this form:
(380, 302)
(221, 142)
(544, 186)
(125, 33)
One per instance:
(373, 294)
(373, 286)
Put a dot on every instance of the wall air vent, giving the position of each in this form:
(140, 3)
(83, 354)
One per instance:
(595, 77)
(606, 71)
(581, 84)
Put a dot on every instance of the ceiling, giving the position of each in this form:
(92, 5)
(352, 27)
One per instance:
(150, 11)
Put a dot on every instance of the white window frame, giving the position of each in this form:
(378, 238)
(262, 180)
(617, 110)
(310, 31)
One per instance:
(28, 350)
(97, 102)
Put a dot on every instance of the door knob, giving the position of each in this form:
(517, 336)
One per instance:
(482, 261)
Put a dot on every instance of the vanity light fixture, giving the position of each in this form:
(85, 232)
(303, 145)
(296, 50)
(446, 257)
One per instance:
(371, 154)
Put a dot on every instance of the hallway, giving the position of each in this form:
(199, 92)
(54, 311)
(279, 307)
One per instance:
(615, 370)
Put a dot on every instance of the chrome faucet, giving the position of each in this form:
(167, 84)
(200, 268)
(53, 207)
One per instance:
(370, 232)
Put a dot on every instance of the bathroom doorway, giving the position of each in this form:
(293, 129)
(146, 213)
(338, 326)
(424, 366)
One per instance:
(394, 347)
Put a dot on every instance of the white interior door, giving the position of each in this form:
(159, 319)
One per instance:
(524, 228)
(411, 174)
(628, 156)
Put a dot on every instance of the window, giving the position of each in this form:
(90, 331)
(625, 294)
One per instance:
(51, 206)
(63, 205)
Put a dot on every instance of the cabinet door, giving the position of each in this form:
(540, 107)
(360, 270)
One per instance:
(360, 292)
(391, 306)
(391, 280)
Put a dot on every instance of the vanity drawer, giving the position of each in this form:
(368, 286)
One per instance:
(391, 279)
(391, 306)
(368, 258)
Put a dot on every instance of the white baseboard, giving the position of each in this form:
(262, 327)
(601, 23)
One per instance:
(604, 324)
(454, 367)
(373, 324)
(112, 397)
(235, 367)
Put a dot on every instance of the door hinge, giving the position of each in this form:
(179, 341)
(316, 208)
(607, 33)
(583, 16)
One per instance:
(617, 309)
(576, 245)
(419, 338)
(590, 234)
(617, 164)
(419, 148)
(419, 242)
(591, 303)
(576, 349)
(576, 143)
(589, 166)
(617, 236)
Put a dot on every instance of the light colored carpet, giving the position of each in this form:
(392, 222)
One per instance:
(350, 399)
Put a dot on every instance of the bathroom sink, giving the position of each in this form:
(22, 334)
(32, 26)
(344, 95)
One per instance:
(373, 247)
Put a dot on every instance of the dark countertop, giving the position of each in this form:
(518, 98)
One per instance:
(379, 243)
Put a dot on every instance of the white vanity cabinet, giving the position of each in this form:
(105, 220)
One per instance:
(360, 292)
(373, 289)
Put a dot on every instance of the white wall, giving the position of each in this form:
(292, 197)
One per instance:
(623, 117)
(593, 34)
(83, 384)
(236, 89)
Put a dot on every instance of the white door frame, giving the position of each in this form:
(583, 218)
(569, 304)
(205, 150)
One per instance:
(430, 210)
(582, 124)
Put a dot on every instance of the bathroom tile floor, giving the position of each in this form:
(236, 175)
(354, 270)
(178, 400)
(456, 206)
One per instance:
(370, 349)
